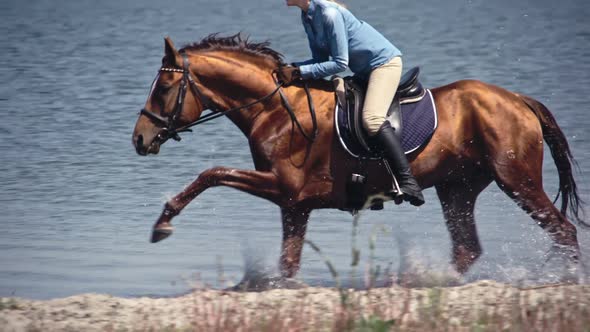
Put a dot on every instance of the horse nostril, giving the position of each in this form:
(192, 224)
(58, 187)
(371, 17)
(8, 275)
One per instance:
(141, 150)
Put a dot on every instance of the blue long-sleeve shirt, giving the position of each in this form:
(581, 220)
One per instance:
(333, 31)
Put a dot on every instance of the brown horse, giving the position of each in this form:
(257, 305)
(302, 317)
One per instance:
(485, 134)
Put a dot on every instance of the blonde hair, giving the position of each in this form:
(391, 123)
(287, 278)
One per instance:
(338, 3)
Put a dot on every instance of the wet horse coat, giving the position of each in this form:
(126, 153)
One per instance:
(485, 134)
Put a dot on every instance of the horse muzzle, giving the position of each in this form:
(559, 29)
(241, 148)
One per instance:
(143, 149)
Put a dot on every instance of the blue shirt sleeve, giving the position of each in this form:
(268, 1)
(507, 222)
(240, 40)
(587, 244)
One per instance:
(317, 55)
(336, 34)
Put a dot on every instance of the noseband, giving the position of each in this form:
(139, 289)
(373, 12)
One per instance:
(170, 128)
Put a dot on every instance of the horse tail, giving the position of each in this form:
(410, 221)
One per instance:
(563, 158)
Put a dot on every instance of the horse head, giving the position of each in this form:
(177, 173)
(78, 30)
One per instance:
(173, 103)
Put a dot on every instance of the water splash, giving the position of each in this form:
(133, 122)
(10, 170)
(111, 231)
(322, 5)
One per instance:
(418, 268)
(259, 274)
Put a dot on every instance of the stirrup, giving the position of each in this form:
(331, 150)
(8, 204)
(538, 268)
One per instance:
(396, 192)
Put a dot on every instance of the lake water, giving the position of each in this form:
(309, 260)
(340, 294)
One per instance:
(77, 204)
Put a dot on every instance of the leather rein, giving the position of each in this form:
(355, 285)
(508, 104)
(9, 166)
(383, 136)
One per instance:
(170, 128)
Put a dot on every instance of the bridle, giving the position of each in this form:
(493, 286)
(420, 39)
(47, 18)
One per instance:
(170, 128)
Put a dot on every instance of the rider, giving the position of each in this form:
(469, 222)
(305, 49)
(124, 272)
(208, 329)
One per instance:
(333, 31)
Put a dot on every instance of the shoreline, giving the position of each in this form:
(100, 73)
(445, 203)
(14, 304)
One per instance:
(484, 305)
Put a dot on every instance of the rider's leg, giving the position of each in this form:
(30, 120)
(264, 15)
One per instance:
(399, 163)
(383, 84)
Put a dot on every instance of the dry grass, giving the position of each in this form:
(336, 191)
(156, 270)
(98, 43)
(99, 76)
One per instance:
(384, 310)
(423, 310)
(483, 306)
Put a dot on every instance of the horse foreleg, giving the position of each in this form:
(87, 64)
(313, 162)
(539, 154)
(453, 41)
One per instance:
(458, 203)
(261, 184)
(294, 226)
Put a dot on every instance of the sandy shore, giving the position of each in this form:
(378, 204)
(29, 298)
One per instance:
(466, 307)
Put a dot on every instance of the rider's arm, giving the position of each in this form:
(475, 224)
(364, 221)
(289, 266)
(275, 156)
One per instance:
(336, 35)
(317, 55)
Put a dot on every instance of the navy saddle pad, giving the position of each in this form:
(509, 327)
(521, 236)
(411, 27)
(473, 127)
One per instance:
(419, 123)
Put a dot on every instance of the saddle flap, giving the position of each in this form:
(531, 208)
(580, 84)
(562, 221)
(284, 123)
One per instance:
(350, 95)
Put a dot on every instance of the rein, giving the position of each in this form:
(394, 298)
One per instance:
(169, 125)
(294, 119)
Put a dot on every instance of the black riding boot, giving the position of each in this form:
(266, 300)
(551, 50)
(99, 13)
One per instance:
(399, 163)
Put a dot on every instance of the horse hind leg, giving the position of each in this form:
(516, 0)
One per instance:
(458, 203)
(523, 183)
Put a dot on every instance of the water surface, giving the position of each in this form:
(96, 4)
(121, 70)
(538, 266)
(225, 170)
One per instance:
(78, 204)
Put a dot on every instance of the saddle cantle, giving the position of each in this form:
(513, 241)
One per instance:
(410, 95)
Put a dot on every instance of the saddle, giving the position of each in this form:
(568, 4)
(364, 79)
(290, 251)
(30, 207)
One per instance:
(410, 103)
(350, 94)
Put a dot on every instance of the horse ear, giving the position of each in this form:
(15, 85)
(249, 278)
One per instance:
(172, 55)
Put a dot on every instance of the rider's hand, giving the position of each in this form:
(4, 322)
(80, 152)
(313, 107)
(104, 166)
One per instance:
(289, 74)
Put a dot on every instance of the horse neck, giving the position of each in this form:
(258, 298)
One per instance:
(230, 82)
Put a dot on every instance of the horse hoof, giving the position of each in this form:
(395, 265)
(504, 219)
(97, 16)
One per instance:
(264, 283)
(160, 233)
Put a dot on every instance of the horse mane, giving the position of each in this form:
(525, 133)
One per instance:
(237, 43)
